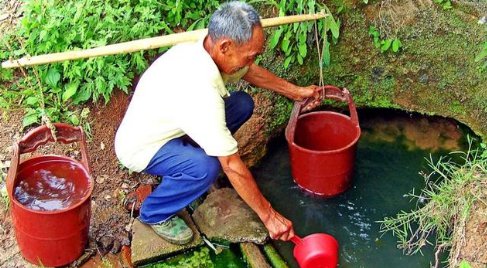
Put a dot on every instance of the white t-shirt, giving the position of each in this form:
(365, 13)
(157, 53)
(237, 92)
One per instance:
(180, 93)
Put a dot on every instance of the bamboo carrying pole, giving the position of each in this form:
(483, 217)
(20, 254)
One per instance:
(144, 44)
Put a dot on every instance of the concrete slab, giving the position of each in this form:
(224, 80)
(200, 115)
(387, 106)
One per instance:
(224, 216)
(148, 247)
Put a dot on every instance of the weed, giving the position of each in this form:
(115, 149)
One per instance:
(445, 4)
(393, 44)
(451, 190)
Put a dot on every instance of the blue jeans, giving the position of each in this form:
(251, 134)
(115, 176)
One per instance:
(187, 171)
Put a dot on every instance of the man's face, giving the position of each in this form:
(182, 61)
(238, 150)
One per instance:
(231, 57)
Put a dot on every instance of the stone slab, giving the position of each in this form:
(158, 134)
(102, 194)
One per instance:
(224, 216)
(147, 246)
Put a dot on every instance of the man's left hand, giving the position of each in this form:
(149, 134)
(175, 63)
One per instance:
(314, 92)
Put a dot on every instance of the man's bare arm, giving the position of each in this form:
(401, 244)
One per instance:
(263, 78)
(244, 183)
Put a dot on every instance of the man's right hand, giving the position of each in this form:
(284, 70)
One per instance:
(244, 183)
(279, 227)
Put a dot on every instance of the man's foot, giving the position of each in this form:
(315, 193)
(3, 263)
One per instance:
(174, 230)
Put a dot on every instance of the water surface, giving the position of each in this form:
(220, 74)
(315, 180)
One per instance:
(51, 185)
(390, 155)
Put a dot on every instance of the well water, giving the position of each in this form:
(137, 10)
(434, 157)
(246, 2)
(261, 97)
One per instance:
(390, 155)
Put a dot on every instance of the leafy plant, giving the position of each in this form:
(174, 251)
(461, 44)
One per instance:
(451, 190)
(446, 4)
(7, 97)
(292, 40)
(52, 26)
(189, 15)
(6, 74)
(384, 45)
(482, 58)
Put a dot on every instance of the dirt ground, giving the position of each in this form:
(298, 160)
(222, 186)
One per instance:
(8, 245)
(110, 222)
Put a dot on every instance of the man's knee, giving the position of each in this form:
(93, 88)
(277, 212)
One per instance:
(207, 167)
(245, 104)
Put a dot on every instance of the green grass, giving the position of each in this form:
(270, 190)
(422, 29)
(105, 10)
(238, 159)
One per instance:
(444, 205)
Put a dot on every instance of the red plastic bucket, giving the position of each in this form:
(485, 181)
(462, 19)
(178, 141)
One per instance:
(316, 251)
(58, 237)
(322, 146)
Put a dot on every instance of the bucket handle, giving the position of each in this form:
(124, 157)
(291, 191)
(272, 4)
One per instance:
(330, 92)
(296, 240)
(39, 136)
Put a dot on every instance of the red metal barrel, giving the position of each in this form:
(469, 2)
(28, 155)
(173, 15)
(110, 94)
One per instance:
(322, 146)
(58, 237)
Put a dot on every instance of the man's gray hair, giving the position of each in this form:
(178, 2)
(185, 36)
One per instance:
(234, 20)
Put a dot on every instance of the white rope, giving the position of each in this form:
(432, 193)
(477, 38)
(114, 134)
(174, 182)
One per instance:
(320, 58)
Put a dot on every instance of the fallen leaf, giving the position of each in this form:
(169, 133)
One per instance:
(101, 179)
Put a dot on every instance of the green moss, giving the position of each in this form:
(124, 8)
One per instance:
(456, 107)
(274, 257)
(446, 54)
(280, 115)
(435, 73)
(197, 258)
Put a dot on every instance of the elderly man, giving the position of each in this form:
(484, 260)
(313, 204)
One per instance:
(182, 94)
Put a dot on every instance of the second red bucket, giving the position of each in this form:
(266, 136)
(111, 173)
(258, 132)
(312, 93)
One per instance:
(322, 146)
(50, 198)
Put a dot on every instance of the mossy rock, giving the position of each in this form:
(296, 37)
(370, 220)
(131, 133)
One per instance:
(435, 72)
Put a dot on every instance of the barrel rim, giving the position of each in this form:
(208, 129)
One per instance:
(352, 143)
(53, 212)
